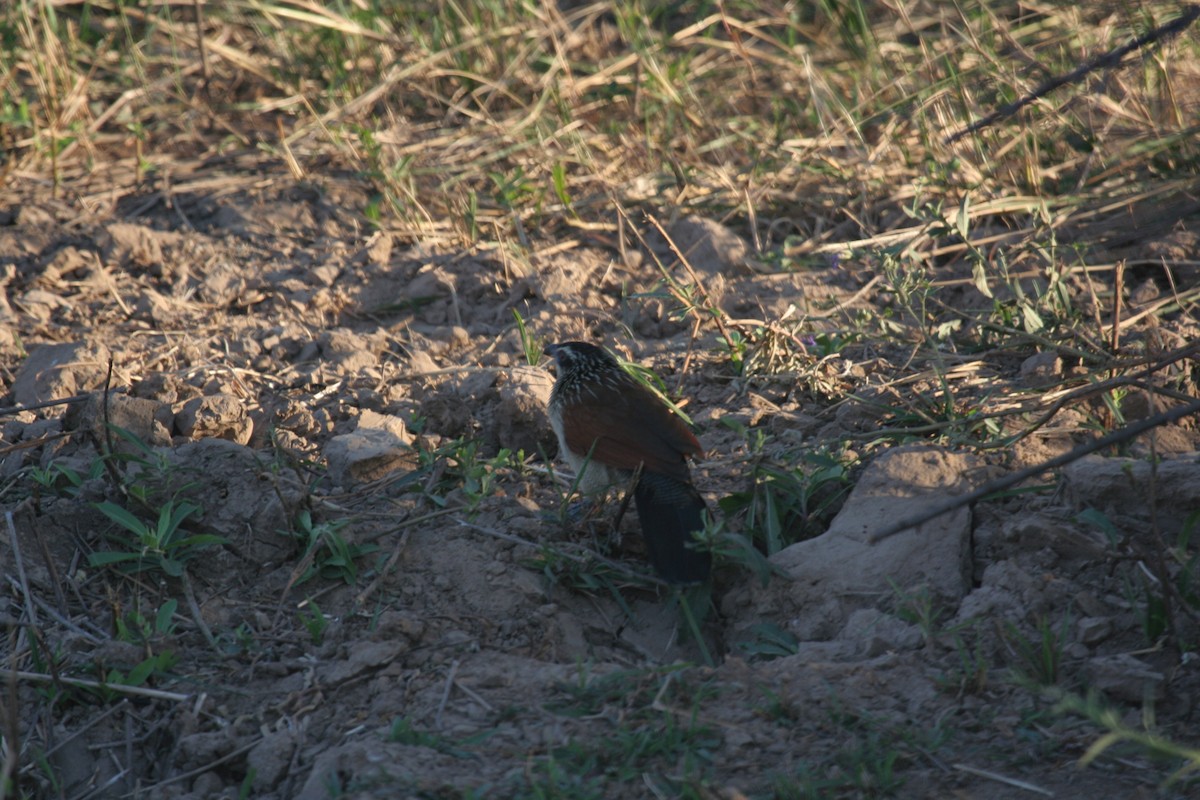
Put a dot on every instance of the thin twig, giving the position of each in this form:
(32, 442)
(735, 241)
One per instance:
(437, 720)
(995, 776)
(401, 543)
(1000, 484)
(194, 607)
(246, 748)
(84, 683)
(7, 410)
(16, 547)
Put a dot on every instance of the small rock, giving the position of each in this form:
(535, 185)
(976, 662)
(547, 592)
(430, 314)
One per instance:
(711, 248)
(147, 420)
(1041, 369)
(379, 445)
(129, 245)
(877, 633)
(1124, 677)
(1093, 630)
(363, 656)
(57, 371)
(841, 571)
(520, 415)
(270, 758)
(219, 416)
(222, 284)
(393, 625)
(1121, 487)
(198, 749)
(348, 351)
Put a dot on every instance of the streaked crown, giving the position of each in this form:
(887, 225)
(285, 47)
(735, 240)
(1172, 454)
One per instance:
(582, 367)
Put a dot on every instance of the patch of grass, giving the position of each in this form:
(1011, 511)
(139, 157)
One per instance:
(656, 733)
(1037, 659)
(791, 498)
(531, 346)
(327, 552)
(404, 731)
(457, 470)
(864, 756)
(162, 544)
(969, 676)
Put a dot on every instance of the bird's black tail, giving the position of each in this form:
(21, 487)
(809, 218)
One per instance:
(670, 512)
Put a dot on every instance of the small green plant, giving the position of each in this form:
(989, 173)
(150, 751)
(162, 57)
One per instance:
(404, 732)
(970, 675)
(866, 765)
(162, 544)
(158, 664)
(326, 551)
(531, 346)
(63, 481)
(1038, 659)
(918, 607)
(137, 628)
(558, 175)
(592, 574)
(652, 738)
(313, 620)
(770, 641)
(457, 465)
(790, 502)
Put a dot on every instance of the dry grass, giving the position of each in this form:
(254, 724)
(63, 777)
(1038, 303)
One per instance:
(494, 121)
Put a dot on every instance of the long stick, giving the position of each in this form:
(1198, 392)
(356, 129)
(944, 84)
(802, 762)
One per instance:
(1000, 484)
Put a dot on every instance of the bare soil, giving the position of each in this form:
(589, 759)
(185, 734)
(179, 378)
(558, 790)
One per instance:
(255, 325)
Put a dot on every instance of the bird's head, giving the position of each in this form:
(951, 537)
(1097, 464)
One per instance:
(576, 355)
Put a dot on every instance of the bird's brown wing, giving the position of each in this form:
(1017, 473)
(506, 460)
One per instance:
(628, 428)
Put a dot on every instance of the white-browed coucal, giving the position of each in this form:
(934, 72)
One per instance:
(609, 427)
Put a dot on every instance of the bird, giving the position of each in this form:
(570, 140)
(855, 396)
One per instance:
(611, 429)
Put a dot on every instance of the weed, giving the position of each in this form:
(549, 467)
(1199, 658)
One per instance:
(531, 346)
(326, 551)
(457, 465)
(770, 641)
(970, 675)
(651, 739)
(136, 628)
(918, 607)
(313, 620)
(63, 481)
(403, 731)
(162, 544)
(1038, 660)
(159, 664)
(791, 501)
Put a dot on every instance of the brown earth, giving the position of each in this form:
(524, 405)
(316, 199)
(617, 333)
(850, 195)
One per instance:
(278, 362)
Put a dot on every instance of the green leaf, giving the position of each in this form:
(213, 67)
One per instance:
(122, 517)
(962, 220)
(162, 620)
(559, 174)
(139, 674)
(199, 540)
(110, 557)
(172, 567)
